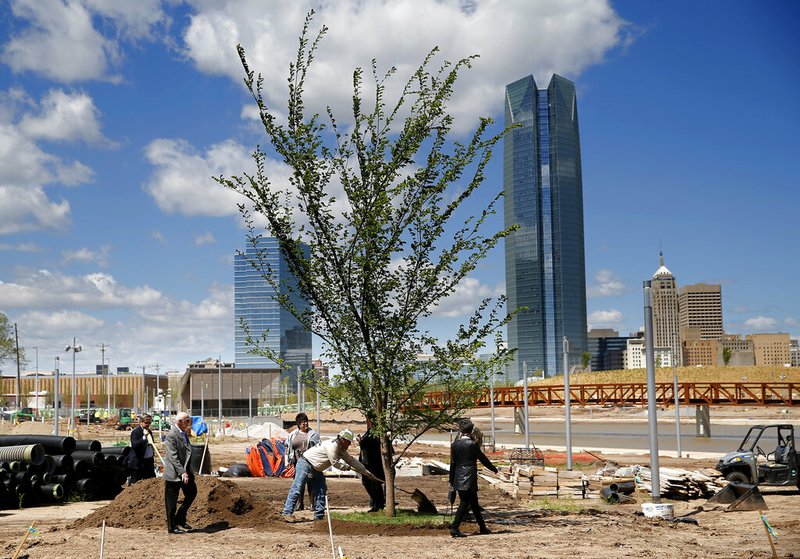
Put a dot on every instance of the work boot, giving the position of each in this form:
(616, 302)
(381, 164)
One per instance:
(485, 530)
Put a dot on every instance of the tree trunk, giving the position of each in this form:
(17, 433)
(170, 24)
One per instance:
(388, 472)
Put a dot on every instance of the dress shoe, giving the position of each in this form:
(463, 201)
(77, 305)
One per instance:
(176, 530)
(185, 526)
(485, 531)
(457, 534)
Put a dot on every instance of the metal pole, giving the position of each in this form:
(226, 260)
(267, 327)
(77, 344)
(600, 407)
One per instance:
(250, 402)
(219, 390)
(677, 405)
(202, 400)
(567, 410)
(319, 406)
(72, 399)
(88, 403)
(652, 410)
(37, 379)
(16, 343)
(525, 403)
(56, 401)
(143, 403)
(491, 404)
(299, 385)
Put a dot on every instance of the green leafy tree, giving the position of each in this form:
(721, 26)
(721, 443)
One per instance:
(380, 201)
(8, 349)
(727, 353)
(586, 358)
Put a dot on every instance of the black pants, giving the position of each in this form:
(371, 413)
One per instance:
(376, 492)
(145, 471)
(171, 490)
(468, 499)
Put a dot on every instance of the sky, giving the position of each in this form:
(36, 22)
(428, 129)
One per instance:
(115, 115)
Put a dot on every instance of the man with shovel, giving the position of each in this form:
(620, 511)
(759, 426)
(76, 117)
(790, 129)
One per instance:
(464, 454)
(310, 467)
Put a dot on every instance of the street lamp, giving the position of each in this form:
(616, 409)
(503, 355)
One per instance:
(74, 349)
(56, 403)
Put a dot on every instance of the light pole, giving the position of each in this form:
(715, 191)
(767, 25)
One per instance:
(36, 381)
(677, 398)
(74, 349)
(56, 402)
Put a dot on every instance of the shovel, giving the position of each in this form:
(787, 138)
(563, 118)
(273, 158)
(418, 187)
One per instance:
(424, 505)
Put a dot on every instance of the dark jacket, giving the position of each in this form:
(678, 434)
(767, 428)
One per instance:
(136, 460)
(464, 454)
(370, 454)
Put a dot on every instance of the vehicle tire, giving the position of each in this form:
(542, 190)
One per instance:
(738, 477)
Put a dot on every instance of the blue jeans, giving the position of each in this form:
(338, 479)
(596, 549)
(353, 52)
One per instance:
(304, 474)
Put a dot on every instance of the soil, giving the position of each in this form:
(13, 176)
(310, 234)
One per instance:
(240, 517)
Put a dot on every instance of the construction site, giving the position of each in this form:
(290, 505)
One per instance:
(535, 507)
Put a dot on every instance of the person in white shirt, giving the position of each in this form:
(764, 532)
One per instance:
(310, 467)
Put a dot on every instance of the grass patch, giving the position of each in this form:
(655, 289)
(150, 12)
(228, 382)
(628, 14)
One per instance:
(560, 505)
(404, 517)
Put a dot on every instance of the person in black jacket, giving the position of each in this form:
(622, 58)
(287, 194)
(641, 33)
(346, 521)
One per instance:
(370, 456)
(464, 454)
(140, 458)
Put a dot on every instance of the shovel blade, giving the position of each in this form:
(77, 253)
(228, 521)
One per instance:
(423, 503)
(740, 497)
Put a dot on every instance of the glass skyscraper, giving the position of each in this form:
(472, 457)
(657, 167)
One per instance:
(255, 303)
(545, 270)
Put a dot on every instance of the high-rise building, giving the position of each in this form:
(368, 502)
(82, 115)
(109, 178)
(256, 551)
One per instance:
(700, 306)
(666, 322)
(771, 349)
(259, 315)
(545, 270)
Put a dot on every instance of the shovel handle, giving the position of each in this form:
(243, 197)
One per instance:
(403, 490)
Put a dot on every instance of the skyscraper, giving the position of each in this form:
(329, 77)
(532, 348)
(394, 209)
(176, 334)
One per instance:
(700, 310)
(255, 303)
(666, 324)
(545, 270)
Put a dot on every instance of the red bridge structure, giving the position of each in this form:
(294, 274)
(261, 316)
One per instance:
(780, 394)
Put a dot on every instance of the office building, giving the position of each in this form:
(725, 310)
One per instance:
(666, 323)
(607, 349)
(258, 314)
(545, 269)
(700, 306)
(771, 349)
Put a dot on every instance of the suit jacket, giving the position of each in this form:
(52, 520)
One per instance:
(177, 455)
(136, 458)
(464, 456)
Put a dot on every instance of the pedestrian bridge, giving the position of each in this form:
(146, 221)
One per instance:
(780, 394)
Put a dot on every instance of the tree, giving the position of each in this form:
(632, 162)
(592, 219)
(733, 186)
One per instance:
(8, 346)
(586, 358)
(727, 353)
(398, 248)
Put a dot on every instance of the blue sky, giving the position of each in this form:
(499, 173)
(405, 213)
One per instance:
(114, 115)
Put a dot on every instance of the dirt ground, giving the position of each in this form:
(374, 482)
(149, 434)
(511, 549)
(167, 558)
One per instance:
(240, 518)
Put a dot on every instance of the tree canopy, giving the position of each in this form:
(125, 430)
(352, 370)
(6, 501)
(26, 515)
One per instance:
(377, 204)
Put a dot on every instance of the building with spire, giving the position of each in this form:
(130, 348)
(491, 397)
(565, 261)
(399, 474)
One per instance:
(666, 318)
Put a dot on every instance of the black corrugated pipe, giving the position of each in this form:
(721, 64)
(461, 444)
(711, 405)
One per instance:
(52, 492)
(623, 487)
(116, 450)
(93, 458)
(51, 443)
(63, 479)
(80, 468)
(88, 445)
(63, 463)
(31, 453)
(49, 465)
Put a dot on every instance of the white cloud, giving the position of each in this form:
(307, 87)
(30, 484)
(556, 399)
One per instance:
(760, 323)
(466, 298)
(77, 40)
(20, 247)
(65, 117)
(608, 285)
(159, 236)
(182, 182)
(611, 318)
(86, 255)
(790, 321)
(564, 37)
(59, 43)
(52, 290)
(204, 239)
(25, 208)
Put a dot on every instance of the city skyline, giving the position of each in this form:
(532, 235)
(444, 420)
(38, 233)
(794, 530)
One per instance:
(114, 119)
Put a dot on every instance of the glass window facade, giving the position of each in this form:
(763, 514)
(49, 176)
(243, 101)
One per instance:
(254, 301)
(545, 269)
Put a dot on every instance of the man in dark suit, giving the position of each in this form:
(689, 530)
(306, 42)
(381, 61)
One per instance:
(178, 475)
(464, 455)
(140, 458)
(370, 456)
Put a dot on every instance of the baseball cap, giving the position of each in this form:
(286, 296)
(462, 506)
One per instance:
(346, 434)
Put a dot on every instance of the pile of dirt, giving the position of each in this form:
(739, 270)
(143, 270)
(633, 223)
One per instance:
(219, 504)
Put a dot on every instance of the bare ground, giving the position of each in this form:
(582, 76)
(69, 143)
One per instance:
(240, 518)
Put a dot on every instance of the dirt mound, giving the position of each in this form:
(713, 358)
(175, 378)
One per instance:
(219, 504)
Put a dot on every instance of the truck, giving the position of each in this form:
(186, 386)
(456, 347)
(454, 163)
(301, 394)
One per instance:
(766, 456)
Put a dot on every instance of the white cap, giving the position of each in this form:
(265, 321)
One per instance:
(346, 434)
